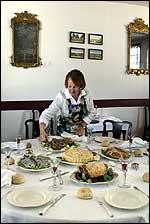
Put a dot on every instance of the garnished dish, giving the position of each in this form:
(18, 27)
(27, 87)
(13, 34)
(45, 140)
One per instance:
(59, 144)
(76, 156)
(94, 173)
(115, 153)
(33, 162)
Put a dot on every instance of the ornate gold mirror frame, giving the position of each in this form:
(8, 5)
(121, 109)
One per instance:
(138, 32)
(25, 40)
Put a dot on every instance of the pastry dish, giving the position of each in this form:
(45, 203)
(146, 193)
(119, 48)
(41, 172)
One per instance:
(116, 153)
(77, 155)
(84, 193)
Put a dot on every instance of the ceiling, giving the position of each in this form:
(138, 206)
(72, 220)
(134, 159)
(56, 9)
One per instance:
(138, 3)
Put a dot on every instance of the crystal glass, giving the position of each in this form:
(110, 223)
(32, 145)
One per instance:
(124, 166)
(7, 152)
(54, 169)
(18, 141)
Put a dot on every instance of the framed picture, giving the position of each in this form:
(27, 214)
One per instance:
(77, 52)
(76, 37)
(96, 39)
(96, 54)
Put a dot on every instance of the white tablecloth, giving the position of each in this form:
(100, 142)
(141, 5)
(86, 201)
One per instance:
(72, 209)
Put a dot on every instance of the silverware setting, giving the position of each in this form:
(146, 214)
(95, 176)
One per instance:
(106, 208)
(136, 188)
(58, 175)
(52, 203)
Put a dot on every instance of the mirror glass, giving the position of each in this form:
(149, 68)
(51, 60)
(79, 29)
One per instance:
(138, 48)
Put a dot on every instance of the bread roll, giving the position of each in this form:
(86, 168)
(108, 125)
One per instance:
(138, 152)
(84, 193)
(105, 143)
(18, 178)
(145, 177)
(11, 161)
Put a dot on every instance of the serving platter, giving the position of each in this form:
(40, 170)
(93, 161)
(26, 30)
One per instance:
(29, 197)
(111, 158)
(74, 179)
(104, 138)
(126, 198)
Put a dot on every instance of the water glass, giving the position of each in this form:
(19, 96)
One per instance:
(18, 143)
(7, 152)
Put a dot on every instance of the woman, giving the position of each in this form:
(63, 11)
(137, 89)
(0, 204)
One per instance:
(73, 106)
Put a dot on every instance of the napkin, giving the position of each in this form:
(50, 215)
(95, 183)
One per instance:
(74, 137)
(6, 177)
(12, 145)
(137, 142)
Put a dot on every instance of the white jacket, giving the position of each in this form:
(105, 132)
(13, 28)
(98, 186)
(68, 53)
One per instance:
(60, 106)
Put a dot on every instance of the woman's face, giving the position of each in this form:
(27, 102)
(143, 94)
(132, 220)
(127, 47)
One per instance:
(73, 89)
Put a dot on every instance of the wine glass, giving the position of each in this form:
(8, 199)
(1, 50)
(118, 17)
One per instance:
(147, 149)
(54, 163)
(124, 166)
(7, 152)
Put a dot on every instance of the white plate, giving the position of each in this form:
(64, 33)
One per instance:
(126, 198)
(73, 178)
(96, 158)
(103, 138)
(110, 158)
(29, 197)
(12, 145)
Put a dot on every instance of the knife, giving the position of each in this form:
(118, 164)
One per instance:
(45, 178)
(51, 204)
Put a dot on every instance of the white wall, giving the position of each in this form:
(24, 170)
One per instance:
(107, 79)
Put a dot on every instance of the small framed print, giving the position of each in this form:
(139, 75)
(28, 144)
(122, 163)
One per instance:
(96, 54)
(76, 37)
(96, 39)
(77, 53)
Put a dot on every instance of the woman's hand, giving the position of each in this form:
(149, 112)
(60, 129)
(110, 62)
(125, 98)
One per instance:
(43, 136)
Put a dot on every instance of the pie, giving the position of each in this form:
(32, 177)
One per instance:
(77, 155)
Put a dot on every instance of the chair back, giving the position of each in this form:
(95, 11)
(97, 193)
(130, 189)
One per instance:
(118, 128)
(34, 125)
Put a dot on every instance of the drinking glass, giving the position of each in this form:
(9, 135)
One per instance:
(7, 152)
(147, 149)
(54, 163)
(124, 166)
(18, 141)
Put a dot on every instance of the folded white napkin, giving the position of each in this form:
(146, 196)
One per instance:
(6, 177)
(74, 137)
(137, 142)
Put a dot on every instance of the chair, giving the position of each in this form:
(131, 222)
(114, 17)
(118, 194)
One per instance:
(34, 124)
(117, 128)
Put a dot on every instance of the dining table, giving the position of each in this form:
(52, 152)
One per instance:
(71, 209)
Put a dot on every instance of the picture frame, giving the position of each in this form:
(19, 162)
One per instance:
(96, 39)
(25, 40)
(96, 54)
(77, 37)
(77, 53)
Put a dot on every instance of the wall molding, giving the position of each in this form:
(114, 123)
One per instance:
(42, 104)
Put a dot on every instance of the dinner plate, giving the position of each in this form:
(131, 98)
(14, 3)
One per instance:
(74, 179)
(126, 198)
(103, 138)
(12, 145)
(96, 158)
(110, 158)
(29, 197)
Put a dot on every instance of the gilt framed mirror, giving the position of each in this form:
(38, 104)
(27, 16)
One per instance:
(138, 47)
(25, 40)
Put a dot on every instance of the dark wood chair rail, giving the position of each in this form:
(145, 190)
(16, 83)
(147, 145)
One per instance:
(42, 104)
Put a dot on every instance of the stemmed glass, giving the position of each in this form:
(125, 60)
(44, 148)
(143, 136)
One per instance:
(130, 137)
(7, 152)
(147, 149)
(18, 141)
(124, 166)
(54, 163)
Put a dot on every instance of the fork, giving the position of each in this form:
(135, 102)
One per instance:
(106, 208)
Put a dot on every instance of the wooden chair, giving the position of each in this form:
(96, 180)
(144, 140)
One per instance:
(34, 125)
(117, 130)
